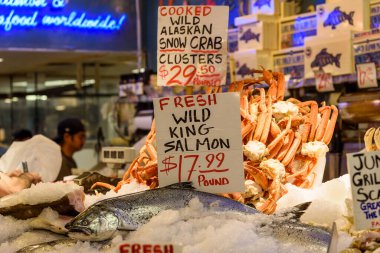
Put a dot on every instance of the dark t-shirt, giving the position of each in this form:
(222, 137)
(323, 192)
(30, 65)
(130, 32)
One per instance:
(67, 164)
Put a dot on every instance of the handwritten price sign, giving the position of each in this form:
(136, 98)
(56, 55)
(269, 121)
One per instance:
(188, 164)
(199, 140)
(366, 75)
(192, 45)
(323, 81)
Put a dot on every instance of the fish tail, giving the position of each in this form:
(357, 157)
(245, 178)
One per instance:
(257, 37)
(337, 60)
(351, 18)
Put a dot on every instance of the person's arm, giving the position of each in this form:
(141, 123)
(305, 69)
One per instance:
(13, 184)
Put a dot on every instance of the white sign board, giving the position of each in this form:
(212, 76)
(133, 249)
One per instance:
(247, 60)
(366, 75)
(323, 82)
(364, 170)
(199, 140)
(267, 7)
(329, 54)
(148, 248)
(192, 45)
(343, 16)
(251, 36)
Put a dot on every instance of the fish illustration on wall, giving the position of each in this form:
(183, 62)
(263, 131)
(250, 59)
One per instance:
(244, 70)
(324, 58)
(249, 35)
(337, 17)
(260, 3)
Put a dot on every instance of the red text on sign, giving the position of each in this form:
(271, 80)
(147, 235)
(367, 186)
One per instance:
(364, 75)
(189, 101)
(185, 10)
(207, 69)
(375, 224)
(188, 72)
(214, 162)
(145, 248)
(202, 181)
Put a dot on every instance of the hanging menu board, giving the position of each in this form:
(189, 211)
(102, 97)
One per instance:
(199, 140)
(192, 45)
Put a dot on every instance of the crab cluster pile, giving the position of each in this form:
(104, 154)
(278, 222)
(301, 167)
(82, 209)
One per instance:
(372, 135)
(282, 142)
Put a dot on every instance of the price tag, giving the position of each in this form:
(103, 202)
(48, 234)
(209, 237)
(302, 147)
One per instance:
(192, 45)
(366, 75)
(148, 248)
(199, 140)
(323, 81)
(364, 170)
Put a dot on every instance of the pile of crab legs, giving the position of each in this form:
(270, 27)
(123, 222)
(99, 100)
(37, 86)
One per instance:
(372, 135)
(282, 138)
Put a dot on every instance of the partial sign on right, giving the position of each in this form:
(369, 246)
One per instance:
(363, 168)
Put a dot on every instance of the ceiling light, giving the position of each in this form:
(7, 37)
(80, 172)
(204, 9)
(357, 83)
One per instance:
(60, 108)
(31, 97)
(35, 97)
(54, 83)
(1, 59)
(138, 71)
(20, 84)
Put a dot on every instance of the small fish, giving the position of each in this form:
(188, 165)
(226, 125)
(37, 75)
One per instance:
(59, 244)
(260, 3)
(249, 35)
(103, 219)
(324, 58)
(244, 70)
(47, 246)
(337, 16)
(50, 220)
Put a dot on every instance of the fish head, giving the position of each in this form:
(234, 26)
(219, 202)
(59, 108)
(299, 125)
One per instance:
(314, 63)
(327, 22)
(94, 224)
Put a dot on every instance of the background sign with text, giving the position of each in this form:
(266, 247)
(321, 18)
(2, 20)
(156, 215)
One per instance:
(366, 75)
(192, 45)
(94, 25)
(364, 169)
(199, 140)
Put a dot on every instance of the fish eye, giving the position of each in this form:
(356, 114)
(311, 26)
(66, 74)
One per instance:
(85, 223)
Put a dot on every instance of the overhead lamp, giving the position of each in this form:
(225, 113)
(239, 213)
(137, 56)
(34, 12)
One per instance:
(60, 108)
(1, 59)
(138, 71)
(20, 84)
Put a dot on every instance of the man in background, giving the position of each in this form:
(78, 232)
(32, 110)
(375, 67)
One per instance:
(22, 135)
(71, 136)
